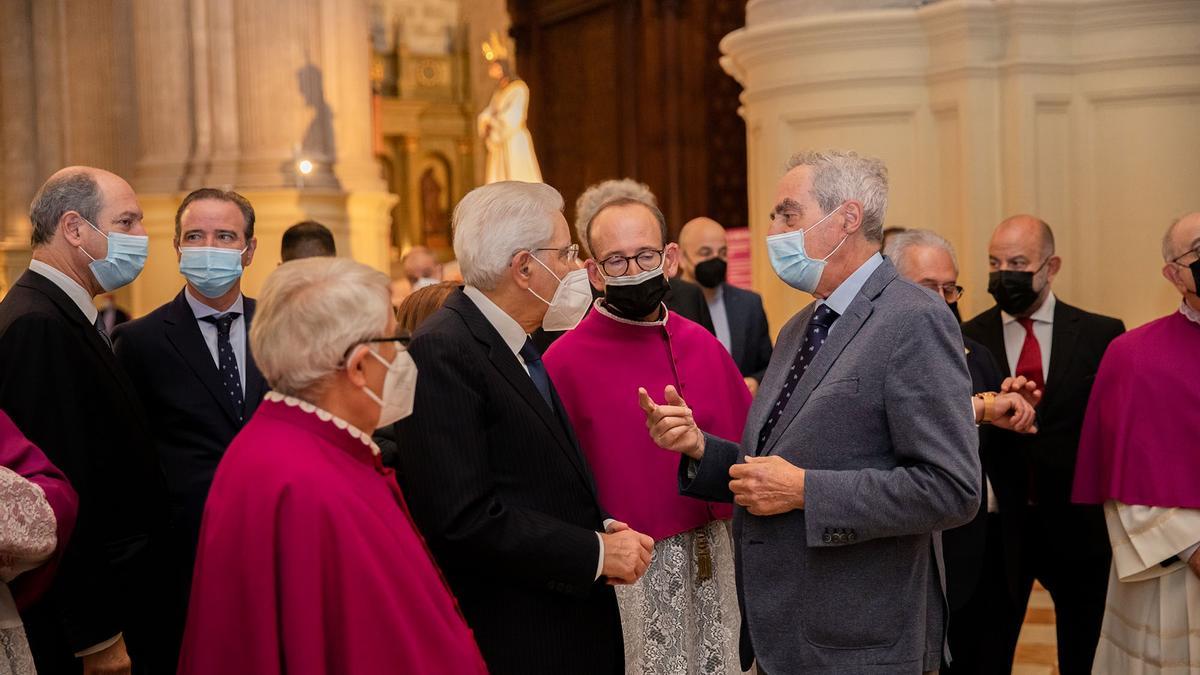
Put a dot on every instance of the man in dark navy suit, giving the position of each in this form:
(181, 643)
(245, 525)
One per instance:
(739, 321)
(191, 364)
(977, 581)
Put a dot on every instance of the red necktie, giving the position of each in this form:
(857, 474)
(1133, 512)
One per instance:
(1029, 363)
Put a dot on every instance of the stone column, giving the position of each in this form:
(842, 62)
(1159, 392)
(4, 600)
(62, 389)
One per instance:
(18, 134)
(162, 43)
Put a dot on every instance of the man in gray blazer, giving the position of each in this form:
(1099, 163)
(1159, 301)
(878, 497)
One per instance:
(859, 448)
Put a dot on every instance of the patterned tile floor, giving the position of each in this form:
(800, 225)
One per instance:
(1037, 653)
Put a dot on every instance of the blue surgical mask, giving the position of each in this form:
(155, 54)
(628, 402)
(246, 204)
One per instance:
(792, 263)
(125, 259)
(211, 271)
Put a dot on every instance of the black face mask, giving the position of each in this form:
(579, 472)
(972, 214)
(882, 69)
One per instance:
(639, 300)
(1195, 267)
(1012, 290)
(711, 272)
(954, 308)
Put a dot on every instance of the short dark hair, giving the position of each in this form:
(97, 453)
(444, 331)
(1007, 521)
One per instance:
(627, 201)
(307, 239)
(77, 191)
(230, 196)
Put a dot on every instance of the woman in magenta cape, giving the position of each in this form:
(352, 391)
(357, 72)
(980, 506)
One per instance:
(308, 562)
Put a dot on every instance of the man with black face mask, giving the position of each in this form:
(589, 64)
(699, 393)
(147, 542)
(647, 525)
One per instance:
(737, 314)
(1033, 334)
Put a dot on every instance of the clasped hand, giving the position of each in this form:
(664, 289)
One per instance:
(627, 553)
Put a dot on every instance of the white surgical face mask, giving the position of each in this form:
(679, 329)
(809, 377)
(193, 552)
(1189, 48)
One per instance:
(399, 387)
(791, 261)
(570, 302)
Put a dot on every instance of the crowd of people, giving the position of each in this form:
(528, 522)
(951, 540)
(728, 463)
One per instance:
(585, 455)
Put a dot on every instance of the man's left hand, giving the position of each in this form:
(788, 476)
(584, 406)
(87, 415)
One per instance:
(752, 385)
(767, 486)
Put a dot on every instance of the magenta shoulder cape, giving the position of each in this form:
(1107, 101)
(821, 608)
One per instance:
(1141, 435)
(21, 456)
(308, 563)
(597, 369)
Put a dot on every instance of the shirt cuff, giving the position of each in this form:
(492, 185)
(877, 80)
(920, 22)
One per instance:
(95, 649)
(600, 562)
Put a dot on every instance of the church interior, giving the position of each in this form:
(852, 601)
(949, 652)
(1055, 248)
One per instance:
(365, 115)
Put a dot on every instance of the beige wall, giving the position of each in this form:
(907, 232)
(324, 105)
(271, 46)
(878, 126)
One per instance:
(1085, 112)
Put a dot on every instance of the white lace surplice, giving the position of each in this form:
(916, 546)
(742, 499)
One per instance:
(27, 538)
(674, 624)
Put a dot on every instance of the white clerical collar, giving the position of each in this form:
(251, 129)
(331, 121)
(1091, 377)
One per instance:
(1045, 313)
(1190, 313)
(841, 297)
(599, 307)
(510, 331)
(325, 416)
(201, 310)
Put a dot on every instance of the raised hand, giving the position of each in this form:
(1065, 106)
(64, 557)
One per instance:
(1024, 386)
(1014, 412)
(671, 425)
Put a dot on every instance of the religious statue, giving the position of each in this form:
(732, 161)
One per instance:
(510, 153)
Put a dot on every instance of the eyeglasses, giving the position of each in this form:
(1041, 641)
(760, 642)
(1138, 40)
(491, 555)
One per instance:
(400, 340)
(618, 265)
(1195, 252)
(950, 292)
(571, 253)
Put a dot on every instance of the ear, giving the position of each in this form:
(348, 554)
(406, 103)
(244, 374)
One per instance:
(356, 365)
(1054, 265)
(671, 260)
(594, 275)
(852, 215)
(1170, 272)
(71, 224)
(521, 269)
(248, 256)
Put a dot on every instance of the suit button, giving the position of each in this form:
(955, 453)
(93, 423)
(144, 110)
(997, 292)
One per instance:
(828, 538)
(850, 537)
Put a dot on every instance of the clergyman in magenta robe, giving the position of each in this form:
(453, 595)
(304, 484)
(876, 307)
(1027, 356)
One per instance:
(683, 614)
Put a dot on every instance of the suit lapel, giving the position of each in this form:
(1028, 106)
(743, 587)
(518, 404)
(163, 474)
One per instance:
(1062, 345)
(256, 386)
(992, 337)
(91, 336)
(183, 332)
(737, 324)
(511, 369)
(840, 335)
(772, 384)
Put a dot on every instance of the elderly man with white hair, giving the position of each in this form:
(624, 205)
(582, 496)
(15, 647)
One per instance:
(859, 447)
(308, 561)
(977, 573)
(490, 464)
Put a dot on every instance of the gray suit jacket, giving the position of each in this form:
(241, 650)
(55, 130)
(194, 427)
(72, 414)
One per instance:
(881, 423)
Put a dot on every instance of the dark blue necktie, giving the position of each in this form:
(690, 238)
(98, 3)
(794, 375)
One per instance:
(814, 336)
(231, 378)
(103, 333)
(537, 371)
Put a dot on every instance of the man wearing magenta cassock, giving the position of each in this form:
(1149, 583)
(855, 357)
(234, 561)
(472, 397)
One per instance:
(631, 339)
(308, 562)
(1139, 455)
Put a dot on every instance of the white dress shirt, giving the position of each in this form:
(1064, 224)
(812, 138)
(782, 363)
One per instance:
(514, 337)
(74, 291)
(83, 300)
(237, 331)
(1043, 330)
(720, 319)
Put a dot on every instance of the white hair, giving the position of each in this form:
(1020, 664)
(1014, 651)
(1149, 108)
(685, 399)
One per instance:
(602, 194)
(495, 222)
(841, 176)
(310, 312)
(900, 243)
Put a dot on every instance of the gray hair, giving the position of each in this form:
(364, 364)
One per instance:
(76, 191)
(1168, 246)
(613, 192)
(310, 312)
(897, 249)
(495, 222)
(840, 176)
